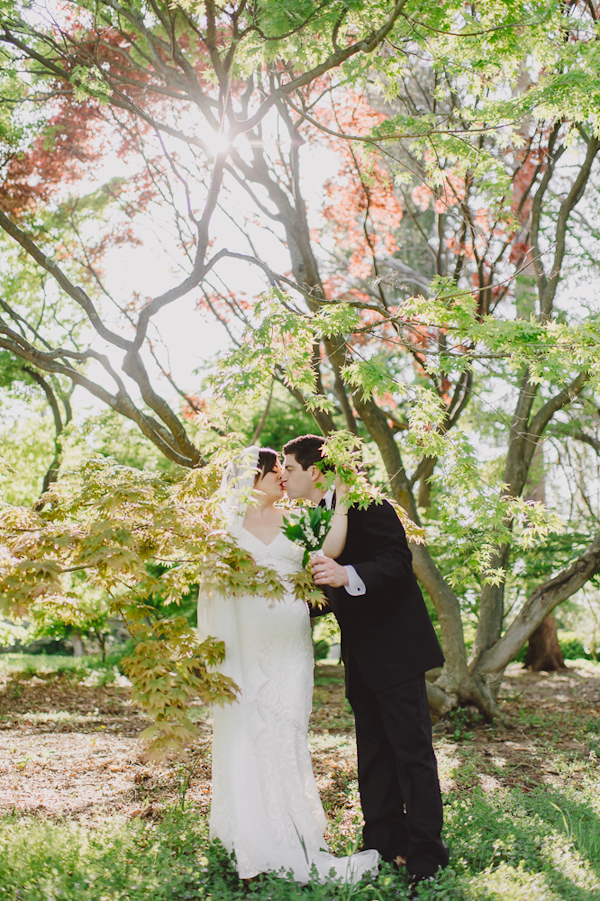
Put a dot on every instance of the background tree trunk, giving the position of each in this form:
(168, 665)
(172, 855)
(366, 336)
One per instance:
(543, 650)
(78, 645)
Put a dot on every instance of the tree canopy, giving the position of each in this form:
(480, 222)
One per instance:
(431, 296)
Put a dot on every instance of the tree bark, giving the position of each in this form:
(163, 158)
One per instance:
(543, 651)
(539, 604)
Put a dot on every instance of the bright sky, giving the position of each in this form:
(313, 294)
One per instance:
(193, 338)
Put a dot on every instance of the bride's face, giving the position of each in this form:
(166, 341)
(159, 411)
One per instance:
(270, 483)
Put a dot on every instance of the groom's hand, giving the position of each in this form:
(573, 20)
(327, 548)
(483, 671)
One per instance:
(325, 571)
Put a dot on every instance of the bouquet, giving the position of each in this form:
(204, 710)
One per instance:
(308, 527)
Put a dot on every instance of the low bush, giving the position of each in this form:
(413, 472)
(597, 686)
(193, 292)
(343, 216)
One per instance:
(571, 646)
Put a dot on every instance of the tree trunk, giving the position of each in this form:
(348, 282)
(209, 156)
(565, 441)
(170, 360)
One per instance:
(78, 646)
(543, 651)
(101, 639)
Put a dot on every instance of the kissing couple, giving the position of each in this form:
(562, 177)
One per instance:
(265, 804)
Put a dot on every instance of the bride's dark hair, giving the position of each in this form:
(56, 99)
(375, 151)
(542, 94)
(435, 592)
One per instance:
(267, 461)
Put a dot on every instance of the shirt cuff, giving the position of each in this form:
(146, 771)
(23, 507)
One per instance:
(355, 586)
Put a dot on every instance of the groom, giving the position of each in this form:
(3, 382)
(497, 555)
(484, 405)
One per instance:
(388, 643)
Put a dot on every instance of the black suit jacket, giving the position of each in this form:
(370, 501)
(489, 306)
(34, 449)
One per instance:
(386, 633)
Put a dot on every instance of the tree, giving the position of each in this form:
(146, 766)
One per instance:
(495, 215)
(543, 650)
(113, 525)
(96, 73)
(466, 174)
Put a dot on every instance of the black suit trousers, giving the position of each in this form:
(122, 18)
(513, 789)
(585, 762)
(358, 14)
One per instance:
(397, 774)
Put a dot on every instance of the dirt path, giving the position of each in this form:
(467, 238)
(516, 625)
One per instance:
(71, 749)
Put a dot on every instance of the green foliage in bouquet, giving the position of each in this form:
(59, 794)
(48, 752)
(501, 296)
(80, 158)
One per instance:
(308, 527)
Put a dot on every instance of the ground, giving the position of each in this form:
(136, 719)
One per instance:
(85, 817)
(69, 747)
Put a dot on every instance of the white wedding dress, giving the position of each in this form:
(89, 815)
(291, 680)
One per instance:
(265, 803)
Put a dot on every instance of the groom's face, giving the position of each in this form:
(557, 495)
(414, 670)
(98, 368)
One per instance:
(298, 482)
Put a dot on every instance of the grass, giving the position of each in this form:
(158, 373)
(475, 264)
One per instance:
(42, 860)
(26, 665)
(50, 666)
(542, 846)
(522, 825)
(329, 683)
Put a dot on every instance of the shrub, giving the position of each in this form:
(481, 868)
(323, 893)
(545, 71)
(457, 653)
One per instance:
(571, 646)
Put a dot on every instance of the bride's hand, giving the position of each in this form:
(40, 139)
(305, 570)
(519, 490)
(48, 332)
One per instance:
(338, 528)
(342, 490)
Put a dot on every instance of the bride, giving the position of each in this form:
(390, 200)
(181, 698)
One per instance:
(265, 804)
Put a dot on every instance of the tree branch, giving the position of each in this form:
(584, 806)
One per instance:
(540, 603)
(121, 402)
(566, 208)
(76, 293)
(366, 45)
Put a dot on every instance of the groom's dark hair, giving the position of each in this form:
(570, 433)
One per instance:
(307, 450)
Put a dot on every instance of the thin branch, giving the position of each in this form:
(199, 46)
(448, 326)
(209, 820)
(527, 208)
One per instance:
(261, 423)
(76, 293)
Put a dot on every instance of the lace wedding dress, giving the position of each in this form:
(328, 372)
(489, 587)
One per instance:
(265, 803)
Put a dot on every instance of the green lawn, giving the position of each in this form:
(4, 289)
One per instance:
(522, 806)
